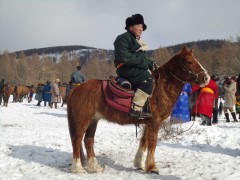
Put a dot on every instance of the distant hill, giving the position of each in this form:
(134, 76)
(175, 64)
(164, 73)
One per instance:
(203, 44)
(85, 52)
(52, 50)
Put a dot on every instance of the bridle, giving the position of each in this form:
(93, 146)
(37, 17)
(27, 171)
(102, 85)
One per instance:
(186, 69)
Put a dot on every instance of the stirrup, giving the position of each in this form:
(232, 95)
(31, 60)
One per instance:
(140, 114)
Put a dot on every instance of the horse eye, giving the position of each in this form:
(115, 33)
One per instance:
(188, 62)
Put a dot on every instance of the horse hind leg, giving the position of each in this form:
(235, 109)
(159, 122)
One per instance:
(76, 134)
(77, 161)
(93, 166)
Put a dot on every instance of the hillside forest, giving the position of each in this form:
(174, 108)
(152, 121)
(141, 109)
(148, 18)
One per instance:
(223, 59)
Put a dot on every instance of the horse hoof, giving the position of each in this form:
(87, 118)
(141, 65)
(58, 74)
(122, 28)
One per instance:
(140, 169)
(97, 169)
(155, 172)
(78, 170)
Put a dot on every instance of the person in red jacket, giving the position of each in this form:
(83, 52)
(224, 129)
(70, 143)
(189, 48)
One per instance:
(205, 101)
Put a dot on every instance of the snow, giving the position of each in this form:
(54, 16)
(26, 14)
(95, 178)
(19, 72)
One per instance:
(35, 144)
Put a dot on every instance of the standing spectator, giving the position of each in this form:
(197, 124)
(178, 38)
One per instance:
(1, 88)
(39, 94)
(215, 78)
(55, 94)
(31, 93)
(205, 101)
(237, 105)
(47, 93)
(229, 97)
(181, 110)
(77, 77)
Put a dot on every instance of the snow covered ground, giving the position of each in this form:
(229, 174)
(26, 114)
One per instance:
(35, 144)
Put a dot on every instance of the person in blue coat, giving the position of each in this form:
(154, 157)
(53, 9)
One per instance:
(181, 110)
(47, 93)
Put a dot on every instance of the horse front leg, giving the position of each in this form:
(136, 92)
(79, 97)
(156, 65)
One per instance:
(151, 136)
(93, 165)
(138, 161)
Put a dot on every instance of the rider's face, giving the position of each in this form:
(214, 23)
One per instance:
(137, 30)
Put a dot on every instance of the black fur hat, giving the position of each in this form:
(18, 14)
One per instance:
(215, 77)
(135, 19)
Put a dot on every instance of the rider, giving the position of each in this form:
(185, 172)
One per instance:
(132, 63)
(77, 77)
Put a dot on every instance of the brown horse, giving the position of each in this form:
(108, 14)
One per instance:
(7, 91)
(63, 92)
(20, 91)
(86, 105)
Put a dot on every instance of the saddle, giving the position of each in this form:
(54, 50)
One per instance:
(118, 93)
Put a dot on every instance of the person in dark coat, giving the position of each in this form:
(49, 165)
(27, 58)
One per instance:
(39, 93)
(238, 97)
(1, 88)
(215, 106)
(47, 96)
(132, 63)
(77, 77)
(205, 101)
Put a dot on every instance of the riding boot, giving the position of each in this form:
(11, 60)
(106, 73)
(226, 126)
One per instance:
(208, 121)
(138, 102)
(38, 104)
(203, 123)
(227, 117)
(51, 104)
(215, 116)
(239, 116)
(204, 120)
(234, 116)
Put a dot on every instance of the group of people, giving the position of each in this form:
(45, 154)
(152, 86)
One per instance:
(50, 92)
(207, 101)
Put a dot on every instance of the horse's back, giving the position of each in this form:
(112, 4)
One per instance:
(85, 94)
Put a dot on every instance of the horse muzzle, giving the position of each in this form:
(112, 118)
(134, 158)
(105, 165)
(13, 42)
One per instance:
(205, 80)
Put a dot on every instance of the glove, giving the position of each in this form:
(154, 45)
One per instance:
(144, 46)
(151, 65)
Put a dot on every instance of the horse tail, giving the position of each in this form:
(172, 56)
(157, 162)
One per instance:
(70, 115)
(71, 124)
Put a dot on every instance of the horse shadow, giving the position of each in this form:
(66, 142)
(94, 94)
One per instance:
(61, 160)
(52, 114)
(42, 155)
(206, 148)
(118, 167)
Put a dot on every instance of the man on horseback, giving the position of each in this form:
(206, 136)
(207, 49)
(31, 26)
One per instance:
(132, 63)
(77, 77)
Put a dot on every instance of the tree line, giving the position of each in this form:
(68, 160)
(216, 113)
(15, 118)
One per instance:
(22, 69)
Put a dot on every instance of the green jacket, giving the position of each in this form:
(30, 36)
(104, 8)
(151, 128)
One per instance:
(126, 47)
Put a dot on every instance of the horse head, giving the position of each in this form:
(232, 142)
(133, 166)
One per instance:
(186, 68)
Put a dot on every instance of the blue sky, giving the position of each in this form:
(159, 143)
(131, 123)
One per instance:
(27, 24)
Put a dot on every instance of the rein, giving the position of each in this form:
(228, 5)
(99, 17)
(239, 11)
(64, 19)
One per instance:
(185, 68)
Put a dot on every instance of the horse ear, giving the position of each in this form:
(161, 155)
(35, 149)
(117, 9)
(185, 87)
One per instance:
(192, 50)
(184, 50)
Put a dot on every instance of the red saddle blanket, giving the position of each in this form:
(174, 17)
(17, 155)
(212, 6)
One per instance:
(116, 96)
